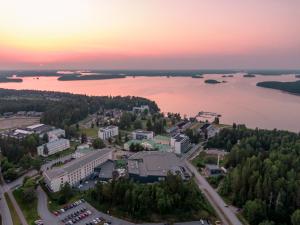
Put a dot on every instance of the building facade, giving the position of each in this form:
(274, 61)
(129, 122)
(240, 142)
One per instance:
(180, 143)
(107, 132)
(77, 170)
(53, 147)
(142, 134)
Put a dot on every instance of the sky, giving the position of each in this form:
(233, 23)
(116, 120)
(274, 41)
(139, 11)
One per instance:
(150, 34)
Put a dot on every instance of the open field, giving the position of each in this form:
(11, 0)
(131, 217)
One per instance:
(17, 122)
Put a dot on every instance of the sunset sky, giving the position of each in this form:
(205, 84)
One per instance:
(149, 34)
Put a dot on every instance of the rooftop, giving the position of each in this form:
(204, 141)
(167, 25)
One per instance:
(152, 163)
(77, 163)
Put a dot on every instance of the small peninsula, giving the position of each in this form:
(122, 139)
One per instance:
(10, 80)
(291, 87)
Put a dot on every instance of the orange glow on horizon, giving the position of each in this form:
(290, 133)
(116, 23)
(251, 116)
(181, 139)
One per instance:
(41, 31)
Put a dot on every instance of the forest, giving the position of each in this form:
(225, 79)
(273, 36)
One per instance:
(292, 87)
(264, 173)
(172, 197)
(64, 109)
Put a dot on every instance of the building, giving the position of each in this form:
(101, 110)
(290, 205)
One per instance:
(53, 147)
(172, 130)
(39, 128)
(180, 143)
(105, 170)
(56, 133)
(154, 166)
(77, 170)
(107, 132)
(212, 170)
(209, 130)
(141, 109)
(17, 133)
(142, 134)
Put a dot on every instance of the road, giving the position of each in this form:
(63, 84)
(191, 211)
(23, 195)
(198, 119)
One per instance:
(225, 214)
(4, 210)
(6, 216)
(43, 211)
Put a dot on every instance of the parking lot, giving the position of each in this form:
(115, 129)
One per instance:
(87, 215)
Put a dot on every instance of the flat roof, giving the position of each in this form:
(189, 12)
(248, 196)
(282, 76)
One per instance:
(152, 163)
(77, 163)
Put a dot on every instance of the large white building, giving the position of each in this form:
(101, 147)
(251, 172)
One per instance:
(107, 132)
(53, 147)
(77, 170)
(180, 143)
(142, 134)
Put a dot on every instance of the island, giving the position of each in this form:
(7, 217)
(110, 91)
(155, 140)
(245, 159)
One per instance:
(197, 76)
(249, 75)
(211, 81)
(90, 77)
(291, 87)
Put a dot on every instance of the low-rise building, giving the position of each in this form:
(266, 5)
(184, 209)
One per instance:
(180, 143)
(141, 109)
(40, 128)
(53, 147)
(142, 134)
(154, 166)
(56, 133)
(77, 170)
(108, 132)
(212, 170)
(209, 130)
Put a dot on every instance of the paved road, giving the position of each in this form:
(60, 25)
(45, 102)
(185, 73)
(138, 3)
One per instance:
(225, 214)
(48, 165)
(43, 211)
(4, 210)
(6, 217)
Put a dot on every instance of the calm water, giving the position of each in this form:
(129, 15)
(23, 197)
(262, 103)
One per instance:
(238, 100)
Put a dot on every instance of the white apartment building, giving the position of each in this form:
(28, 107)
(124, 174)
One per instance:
(76, 170)
(180, 143)
(53, 147)
(142, 134)
(107, 132)
(141, 109)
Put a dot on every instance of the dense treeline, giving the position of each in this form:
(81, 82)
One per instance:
(61, 109)
(292, 87)
(18, 155)
(141, 201)
(264, 175)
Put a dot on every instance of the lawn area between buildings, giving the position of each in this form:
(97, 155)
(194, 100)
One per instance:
(13, 212)
(90, 132)
(29, 209)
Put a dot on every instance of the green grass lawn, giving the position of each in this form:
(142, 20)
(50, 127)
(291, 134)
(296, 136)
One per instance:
(90, 132)
(13, 212)
(29, 209)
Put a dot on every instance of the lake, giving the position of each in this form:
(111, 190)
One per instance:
(238, 100)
